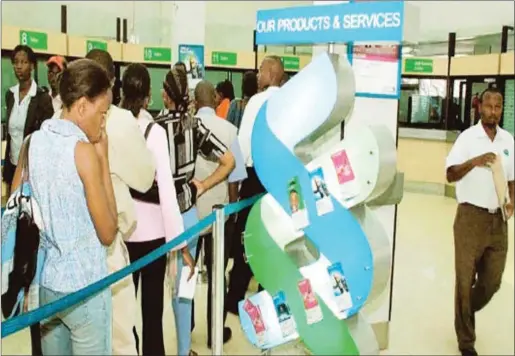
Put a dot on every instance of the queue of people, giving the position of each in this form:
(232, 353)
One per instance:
(127, 183)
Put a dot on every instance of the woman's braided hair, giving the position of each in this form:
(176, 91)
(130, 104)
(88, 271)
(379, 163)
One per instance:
(176, 87)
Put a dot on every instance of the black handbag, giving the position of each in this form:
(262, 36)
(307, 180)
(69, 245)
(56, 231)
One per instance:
(26, 246)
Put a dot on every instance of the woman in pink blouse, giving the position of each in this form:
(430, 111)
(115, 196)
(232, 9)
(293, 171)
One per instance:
(159, 219)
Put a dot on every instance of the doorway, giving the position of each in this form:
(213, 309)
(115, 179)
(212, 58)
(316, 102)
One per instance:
(467, 101)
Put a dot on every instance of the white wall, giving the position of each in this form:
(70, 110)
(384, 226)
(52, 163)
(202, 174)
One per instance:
(149, 19)
(230, 24)
(467, 18)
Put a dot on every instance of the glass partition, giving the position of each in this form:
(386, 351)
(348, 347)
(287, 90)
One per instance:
(422, 103)
(509, 103)
(237, 80)
(215, 75)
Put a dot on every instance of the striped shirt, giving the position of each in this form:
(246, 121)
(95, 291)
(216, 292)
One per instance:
(187, 137)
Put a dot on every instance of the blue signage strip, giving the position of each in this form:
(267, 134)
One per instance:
(374, 21)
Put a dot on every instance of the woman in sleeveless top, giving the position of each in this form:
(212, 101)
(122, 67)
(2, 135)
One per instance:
(70, 180)
(188, 137)
(158, 222)
(249, 87)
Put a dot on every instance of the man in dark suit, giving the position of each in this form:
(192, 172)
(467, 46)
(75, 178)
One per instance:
(27, 107)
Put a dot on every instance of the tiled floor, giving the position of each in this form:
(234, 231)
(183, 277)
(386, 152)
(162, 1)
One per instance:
(422, 317)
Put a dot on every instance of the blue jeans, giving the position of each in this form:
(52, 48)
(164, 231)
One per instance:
(84, 329)
(182, 307)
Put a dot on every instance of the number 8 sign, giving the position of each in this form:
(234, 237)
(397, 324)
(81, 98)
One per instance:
(24, 38)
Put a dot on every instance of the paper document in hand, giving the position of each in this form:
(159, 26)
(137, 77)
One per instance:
(187, 288)
(501, 186)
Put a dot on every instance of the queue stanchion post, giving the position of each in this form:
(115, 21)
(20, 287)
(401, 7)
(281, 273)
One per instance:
(218, 272)
(202, 268)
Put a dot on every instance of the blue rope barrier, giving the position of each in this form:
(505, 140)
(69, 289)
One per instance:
(20, 322)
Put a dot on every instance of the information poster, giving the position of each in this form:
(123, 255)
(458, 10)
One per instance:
(376, 69)
(193, 57)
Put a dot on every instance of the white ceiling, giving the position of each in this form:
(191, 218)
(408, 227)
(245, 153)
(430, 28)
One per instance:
(466, 18)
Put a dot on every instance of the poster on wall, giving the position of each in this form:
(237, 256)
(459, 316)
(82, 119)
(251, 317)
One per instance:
(193, 58)
(376, 69)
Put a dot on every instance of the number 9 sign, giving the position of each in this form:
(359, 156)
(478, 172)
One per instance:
(322, 250)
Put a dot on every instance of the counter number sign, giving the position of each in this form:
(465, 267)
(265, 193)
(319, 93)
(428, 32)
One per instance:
(35, 40)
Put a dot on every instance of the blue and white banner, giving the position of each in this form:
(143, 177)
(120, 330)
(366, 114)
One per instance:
(348, 22)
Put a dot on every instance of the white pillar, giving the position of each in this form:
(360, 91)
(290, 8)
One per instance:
(188, 25)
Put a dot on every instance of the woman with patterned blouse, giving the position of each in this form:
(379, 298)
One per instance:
(188, 137)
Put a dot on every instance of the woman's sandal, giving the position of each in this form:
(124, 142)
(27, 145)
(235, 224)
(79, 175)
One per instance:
(193, 353)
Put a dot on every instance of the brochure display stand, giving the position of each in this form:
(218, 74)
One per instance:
(312, 242)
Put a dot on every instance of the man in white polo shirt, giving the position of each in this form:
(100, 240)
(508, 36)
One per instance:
(270, 77)
(480, 231)
(223, 193)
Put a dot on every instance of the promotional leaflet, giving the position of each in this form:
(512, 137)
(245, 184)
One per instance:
(257, 320)
(286, 320)
(324, 204)
(349, 186)
(298, 209)
(311, 305)
(267, 322)
(339, 287)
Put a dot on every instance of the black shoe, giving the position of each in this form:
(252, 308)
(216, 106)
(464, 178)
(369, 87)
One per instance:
(227, 336)
(469, 352)
(233, 309)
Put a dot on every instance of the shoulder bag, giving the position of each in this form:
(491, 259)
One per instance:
(26, 243)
